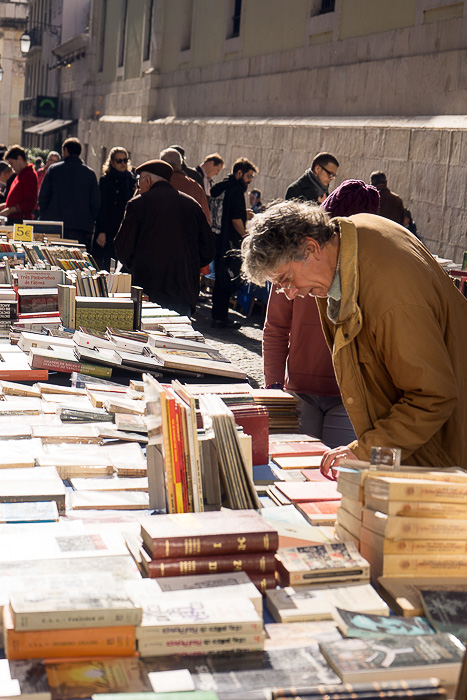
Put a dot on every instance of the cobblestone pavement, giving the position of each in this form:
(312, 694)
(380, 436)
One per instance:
(242, 346)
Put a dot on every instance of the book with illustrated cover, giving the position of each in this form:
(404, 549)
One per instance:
(202, 534)
(321, 563)
(313, 603)
(392, 657)
(446, 610)
(23, 679)
(365, 626)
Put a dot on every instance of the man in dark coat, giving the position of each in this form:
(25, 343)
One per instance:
(164, 239)
(227, 264)
(313, 185)
(70, 193)
(391, 205)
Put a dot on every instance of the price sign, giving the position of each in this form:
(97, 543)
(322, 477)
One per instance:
(22, 233)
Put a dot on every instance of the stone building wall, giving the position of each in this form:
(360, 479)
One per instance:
(425, 158)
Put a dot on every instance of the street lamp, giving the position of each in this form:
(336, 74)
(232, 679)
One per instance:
(26, 41)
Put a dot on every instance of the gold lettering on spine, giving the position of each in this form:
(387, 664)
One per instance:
(212, 566)
(217, 545)
(266, 542)
(192, 546)
(167, 548)
(237, 564)
(241, 543)
(262, 563)
(162, 569)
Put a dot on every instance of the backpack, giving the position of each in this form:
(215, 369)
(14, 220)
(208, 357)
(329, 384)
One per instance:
(216, 207)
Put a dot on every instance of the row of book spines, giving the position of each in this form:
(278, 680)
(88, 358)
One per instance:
(423, 689)
(259, 563)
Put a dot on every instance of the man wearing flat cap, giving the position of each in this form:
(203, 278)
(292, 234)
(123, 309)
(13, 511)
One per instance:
(164, 239)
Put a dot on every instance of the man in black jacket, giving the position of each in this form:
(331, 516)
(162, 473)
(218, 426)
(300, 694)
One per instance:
(70, 193)
(227, 264)
(164, 239)
(313, 185)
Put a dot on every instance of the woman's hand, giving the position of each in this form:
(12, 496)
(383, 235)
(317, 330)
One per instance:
(332, 459)
(100, 240)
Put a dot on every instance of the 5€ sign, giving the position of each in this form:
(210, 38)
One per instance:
(22, 233)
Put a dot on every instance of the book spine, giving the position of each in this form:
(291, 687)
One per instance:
(205, 545)
(335, 694)
(55, 620)
(67, 366)
(263, 581)
(438, 492)
(167, 631)
(97, 641)
(137, 297)
(181, 454)
(202, 645)
(167, 456)
(405, 546)
(186, 459)
(175, 453)
(419, 566)
(255, 563)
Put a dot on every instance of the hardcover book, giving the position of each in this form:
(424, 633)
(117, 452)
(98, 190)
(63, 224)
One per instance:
(393, 657)
(254, 562)
(321, 563)
(201, 534)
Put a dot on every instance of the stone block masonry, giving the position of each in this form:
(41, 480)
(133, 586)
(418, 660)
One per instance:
(423, 157)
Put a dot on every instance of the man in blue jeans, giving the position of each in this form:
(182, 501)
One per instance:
(227, 266)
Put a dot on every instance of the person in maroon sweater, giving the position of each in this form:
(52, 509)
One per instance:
(22, 196)
(295, 353)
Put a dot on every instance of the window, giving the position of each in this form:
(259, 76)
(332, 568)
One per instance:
(327, 6)
(100, 63)
(121, 46)
(148, 30)
(187, 25)
(235, 7)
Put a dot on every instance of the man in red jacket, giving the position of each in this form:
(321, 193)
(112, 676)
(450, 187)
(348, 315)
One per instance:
(22, 196)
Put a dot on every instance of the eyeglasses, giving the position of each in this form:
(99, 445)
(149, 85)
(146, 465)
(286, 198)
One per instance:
(285, 283)
(120, 160)
(331, 175)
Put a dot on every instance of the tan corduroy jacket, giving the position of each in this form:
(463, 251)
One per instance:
(399, 345)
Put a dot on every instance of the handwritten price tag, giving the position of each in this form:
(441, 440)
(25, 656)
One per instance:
(22, 233)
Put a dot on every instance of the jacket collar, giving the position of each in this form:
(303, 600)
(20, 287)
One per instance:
(350, 316)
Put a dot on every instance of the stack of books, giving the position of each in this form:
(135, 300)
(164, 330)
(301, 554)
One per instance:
(325, 563)
(62, 623)
(415, 526)
(200, 543)
(194, 621)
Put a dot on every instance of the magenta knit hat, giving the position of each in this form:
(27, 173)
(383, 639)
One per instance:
(352, 197)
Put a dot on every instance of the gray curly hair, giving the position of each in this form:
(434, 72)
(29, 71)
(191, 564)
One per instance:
(278, 236)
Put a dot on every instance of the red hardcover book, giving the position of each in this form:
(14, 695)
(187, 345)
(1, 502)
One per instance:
(205, 534)
(255, 422)
(301, 491)
(256, 562)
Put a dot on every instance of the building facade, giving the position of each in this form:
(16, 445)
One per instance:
(380, 85)
(12, 24)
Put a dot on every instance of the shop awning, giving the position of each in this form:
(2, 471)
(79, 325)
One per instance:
(48, 126)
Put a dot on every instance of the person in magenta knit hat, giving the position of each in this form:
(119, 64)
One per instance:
(295, 354)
